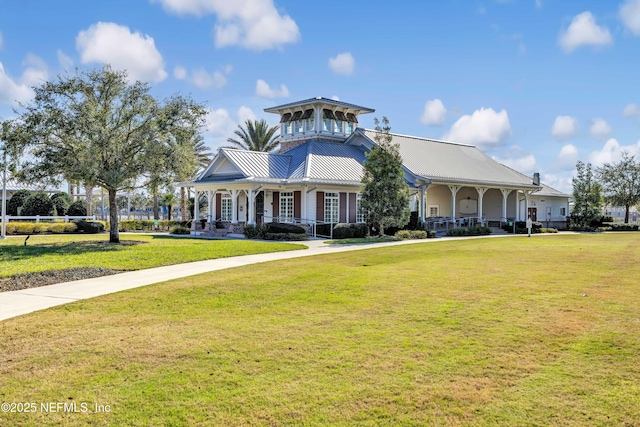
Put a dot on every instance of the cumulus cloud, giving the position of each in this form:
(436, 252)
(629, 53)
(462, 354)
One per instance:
(434, 113)
(485, 128)
(65, 61)
(611, 152)
(204, 80)
(566, 160)
(16, 90)
(562, 183)
(219, 122)
(518, 159)
(583, 31)
(245, 113)
(564, 127)
(252, 24)
(263, 90)
(343, 63)
(109, 43)
(179, 72)
(631, 110)
(630, 15)
(600, 129)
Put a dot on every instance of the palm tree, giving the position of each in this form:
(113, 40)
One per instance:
(255, 136)
(170, 200)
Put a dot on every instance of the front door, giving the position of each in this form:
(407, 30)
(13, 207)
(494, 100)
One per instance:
(259, 208)
(533, 214)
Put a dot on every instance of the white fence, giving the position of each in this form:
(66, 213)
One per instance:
(66, 218)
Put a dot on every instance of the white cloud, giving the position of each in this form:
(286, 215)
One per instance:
(65, 61)
(611, 152)
(14, 91)
(631, 110)
(245, 113)
(335, 98)
(519, 160)
(583, 31)
(109, 43)
(219, 122)
(434, 113)
(485, 128)
(566, 160)
(179, 72)
(342, 64)
(228, 68)
(630, 15)
(204, 80)
(252, 24)
(562, 183)
(564, 127)
(600, 129)
(264, 91)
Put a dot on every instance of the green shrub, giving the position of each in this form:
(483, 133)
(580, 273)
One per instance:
(179, 229)
(40, 227)
(280, 227)
(16, 201)
(471, 231)
(403, 234)
(254, 232)
(37, 204)
(77, 208)
(285, 236)
(360, 230)
(343, 231)
(417, 234)
(624, 227)
(61, 202)
(89, 227)
(549, 230)
(431, 234)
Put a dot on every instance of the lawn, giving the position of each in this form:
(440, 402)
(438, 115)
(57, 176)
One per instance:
(56, 252)
(512, 331)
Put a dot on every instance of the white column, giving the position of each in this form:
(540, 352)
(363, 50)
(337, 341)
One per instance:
(303, 204)
(234, 206)
(196, 207)
(251, 207)
(481, 191)
(517, 205)
(454, 190)
(526, 203)
(505, 194)
(210, 196)
(423, 203)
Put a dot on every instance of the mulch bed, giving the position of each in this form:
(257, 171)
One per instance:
(44, 278)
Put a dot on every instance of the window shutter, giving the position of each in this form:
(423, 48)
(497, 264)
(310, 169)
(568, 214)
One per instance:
(320, 206)
(343, 207)
(276, 205)
(352, 207)
(296, 204)
(218, 205)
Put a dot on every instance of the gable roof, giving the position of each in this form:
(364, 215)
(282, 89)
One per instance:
(551, 192)
(318, 100)
(449, 162)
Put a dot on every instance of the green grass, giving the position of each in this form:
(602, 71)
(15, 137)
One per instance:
(361, 240)
(136, 251)
(515, 331)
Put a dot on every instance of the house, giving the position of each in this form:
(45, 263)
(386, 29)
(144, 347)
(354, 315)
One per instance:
(316, 176)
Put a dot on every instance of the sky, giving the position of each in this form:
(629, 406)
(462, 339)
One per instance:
(535, 84)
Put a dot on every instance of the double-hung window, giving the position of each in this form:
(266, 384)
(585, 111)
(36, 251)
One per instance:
(331, 209)
(359, 210)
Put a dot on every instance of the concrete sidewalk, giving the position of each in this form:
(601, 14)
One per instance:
(16, 303)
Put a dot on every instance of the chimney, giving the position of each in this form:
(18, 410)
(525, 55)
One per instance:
(536, 178)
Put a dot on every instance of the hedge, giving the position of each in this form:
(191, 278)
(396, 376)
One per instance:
(40, 227)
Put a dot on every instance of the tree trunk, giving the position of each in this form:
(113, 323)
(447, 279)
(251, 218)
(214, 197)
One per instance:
(381, 229)
(156, 206)
(114, 234)
(88, 196)
(183, 204)
(626, 214)
(169, 211)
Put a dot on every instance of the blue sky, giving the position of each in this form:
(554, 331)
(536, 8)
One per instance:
(536, 84)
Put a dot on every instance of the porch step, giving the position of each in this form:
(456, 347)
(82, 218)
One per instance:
(220, 232)
(497, 231)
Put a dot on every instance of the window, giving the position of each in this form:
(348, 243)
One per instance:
(563, 211)
(359, 211)
(299, 127)
(289, 127)
(434, 210)
(297, 122)
(337, 126)
(348, 128)
(327, 115)
(331, 209)
(226, 208)
(286, 206)
(309, 120)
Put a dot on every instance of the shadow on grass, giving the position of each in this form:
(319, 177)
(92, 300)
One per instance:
(11, 252)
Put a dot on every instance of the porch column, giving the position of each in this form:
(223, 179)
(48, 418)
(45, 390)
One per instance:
(210, 205)
(303, 205)
(234, 206)
(454, 190)
(423, 203)
(505, 194)
(527, 194)
(196, 207)
(518, 205)
(251, 202)
(481, 191)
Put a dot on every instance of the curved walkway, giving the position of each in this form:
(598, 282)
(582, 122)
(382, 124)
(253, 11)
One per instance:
(16, 303)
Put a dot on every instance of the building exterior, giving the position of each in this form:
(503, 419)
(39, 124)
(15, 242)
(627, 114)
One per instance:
(316, 176)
